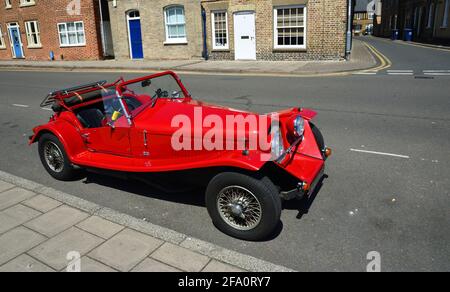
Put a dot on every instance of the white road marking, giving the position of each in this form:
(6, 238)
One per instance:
(380, 153)
(400, 73)
(46, 109)
(436, 71)
(365, 73)
(20, 105)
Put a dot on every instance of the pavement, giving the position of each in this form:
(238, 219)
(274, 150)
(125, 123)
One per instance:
(362, 58)
(387, 188)
(44, 230)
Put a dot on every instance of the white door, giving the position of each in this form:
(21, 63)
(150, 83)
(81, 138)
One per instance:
(244, 36)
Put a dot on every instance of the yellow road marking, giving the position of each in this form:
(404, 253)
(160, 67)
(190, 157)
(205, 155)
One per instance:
(385, 62)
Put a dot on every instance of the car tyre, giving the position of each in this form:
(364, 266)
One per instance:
(54, 158)
(257, 193)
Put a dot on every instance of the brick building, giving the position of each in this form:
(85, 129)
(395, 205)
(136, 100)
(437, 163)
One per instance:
(32, 29)
(429, 20)
(276, 29)
(157, 29)
(266, 30)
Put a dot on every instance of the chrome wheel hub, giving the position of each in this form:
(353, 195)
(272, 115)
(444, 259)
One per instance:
(239, 208)
(53, 157)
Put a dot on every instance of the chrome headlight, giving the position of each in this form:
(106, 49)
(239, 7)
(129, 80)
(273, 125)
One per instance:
(299, 126)
(277, 143)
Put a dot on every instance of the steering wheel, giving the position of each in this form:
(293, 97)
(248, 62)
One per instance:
(160, 93)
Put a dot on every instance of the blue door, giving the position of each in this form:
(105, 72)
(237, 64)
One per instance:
(15, 38)
(136, 39)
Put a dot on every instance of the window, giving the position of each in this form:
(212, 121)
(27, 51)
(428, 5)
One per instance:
(446, 8)
(220, 30)
(2, 40)
(175, 25)
(8, 4)
(27, 2)
(71, 34)
(430, 15)
(32, 30)
(290, 27)
(134, 14)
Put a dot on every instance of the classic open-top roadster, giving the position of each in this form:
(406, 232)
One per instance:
(151, 128)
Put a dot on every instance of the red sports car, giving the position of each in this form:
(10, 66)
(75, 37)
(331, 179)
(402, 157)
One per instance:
(152, 129)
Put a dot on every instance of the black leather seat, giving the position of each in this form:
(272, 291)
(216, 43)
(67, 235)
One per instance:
(91, 118)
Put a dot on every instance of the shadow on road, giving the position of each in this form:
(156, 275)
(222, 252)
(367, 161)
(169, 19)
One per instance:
(187, 196)
(304, 204)
(190, 196)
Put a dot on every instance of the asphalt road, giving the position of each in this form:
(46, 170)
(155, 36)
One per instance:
(396, 205)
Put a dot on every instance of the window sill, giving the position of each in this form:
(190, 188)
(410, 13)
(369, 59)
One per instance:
(27, 5)
(35, 47)
(289, 49)
(8, 7)
(2, 48)
(175, 43)
(225, 50)
(72, 46)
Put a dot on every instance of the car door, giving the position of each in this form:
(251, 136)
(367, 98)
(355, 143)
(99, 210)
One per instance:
(107, 128)
(107, 139)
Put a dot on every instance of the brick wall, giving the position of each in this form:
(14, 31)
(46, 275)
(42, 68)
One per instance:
(154, 31)
(48, 13)
(326, 27)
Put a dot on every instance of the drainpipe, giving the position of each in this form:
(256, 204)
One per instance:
(348, 42)
(102, 32)
(205, 45)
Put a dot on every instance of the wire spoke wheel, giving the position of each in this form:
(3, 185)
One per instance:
(53, 156)
(239, 208)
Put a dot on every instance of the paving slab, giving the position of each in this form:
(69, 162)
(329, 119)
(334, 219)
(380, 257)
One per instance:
(14, 196)
(15, 216)
(54, 251)
(216, 266)
(151, 265)
(125, 250)
(18, 241)
(89, 265)
(180, 257)
(5, 186)
(25, 263)
(57, 220)
(42, 203)
(100, 227)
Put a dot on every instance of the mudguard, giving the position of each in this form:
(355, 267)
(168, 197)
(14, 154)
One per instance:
(65, 132)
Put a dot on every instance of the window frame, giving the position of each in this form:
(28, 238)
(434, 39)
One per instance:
(166, 26)
(445, 17)
(2, 39)
(8, 4)
(67, 33)
(275, 26)
(430, 15)
(25, 3)
(29, 34)
(213, 30)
